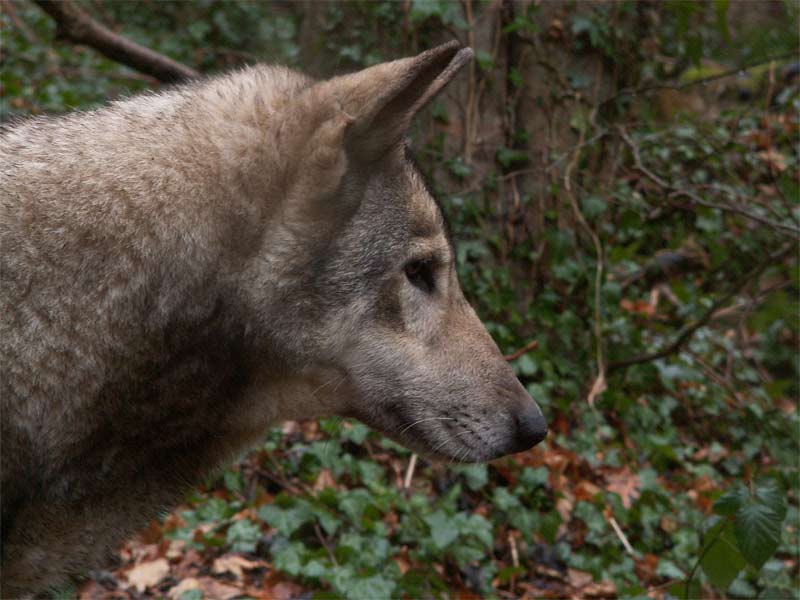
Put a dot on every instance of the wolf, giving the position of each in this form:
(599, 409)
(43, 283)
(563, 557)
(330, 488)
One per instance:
(182, 269)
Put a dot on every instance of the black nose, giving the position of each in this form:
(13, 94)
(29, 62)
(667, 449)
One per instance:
(531, 428)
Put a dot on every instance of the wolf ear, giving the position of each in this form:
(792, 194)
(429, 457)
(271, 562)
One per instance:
(381, 101)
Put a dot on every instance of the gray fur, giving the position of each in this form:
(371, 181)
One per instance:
(181, 270)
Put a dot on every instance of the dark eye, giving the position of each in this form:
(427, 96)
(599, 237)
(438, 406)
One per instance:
(420, 274)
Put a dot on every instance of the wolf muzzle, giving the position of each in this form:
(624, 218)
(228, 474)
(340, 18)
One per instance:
(531, 428)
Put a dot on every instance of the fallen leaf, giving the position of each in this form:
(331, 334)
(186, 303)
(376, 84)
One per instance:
(186, 585)
(176, 549)
(564, 508)
(579, 579)
(601, 589)
(234, 564)
(586, 490)
(774, 159)
(624, 483)
(148, 574)
(324, 480)
(286, 590)
(639, 307)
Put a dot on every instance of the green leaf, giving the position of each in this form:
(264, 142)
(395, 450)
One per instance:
(196, 594)
(509, 157)
(731, 501)
(243, 536)
(371, 587)
(758, 532)
(722, 560)
(476, 476)
(286, 521)
(768, 492)
(526, 366)
(504, 500)
(443, 533)
(593, 206)
(485, 60)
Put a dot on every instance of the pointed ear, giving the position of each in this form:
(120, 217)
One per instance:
(381, 101)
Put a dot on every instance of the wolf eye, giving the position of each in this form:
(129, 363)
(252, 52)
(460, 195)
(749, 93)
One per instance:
(420, 274)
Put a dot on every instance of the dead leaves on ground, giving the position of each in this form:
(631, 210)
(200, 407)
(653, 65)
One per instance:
(170, 568)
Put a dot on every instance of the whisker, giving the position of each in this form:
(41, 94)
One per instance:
(418, 421)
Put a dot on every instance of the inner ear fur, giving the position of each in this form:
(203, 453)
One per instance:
(361, 116)
(379, 102)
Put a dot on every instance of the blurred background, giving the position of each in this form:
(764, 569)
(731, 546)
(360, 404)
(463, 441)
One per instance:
(622, 184)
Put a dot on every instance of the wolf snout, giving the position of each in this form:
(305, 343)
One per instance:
(531, 428)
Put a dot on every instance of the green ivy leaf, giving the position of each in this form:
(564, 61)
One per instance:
(376, 586)
(722, 560)
(243, 536)
(286, 521)
(443, 533)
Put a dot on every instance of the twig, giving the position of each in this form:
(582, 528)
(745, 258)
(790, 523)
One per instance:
(325, 544)
(706, 547)
(719, 379)
(78, 27)
(514, 552)
(529, 170)
(674, 191)
(524, 350)
(512, 584)
(688, 330)
(794, 231)
(621, 535)
(410, 472)
(599, 385)
(688, 84)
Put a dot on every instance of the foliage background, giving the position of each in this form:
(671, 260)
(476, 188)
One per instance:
(622, 182)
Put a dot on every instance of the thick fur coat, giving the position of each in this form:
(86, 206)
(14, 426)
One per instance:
(180, 270)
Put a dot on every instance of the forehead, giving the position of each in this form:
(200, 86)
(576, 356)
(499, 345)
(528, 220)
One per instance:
(427, 222)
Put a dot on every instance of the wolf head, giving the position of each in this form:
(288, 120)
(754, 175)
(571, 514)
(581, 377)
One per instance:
(366, 279)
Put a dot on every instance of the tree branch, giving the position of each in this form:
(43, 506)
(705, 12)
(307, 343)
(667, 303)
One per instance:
(694, 197)
(701, 81)
(688, 330)
(78, 27)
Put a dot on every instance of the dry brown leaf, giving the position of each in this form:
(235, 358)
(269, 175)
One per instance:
(564, 508)
(625, 483)
(188, 584)
(773, 158)
(218, 590)
(639, 307)
(148, 574)
(234, 564)
(324, 480)
(176, 549)
(669, 524)
(585, 490)
(601, 589)
(579, 579)
(285, 590)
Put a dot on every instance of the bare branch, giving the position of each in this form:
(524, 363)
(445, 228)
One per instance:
(599, 385)
(694, 197)
(78, 27)
(703, 80)
(688, 330)
(524, 350)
